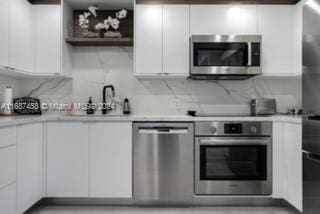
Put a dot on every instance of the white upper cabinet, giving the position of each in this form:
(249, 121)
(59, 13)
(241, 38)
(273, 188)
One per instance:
(274, 24)
(30, 37)
(223, 19)
(30, 166)
(47, 39)
(161, 40)
(297, 38)
(5, 32)
(22, 35)
(110, 160)
(148, 39)
(67, 159)
(176, 39)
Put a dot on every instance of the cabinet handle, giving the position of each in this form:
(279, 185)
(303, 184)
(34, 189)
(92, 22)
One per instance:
(249, 54)
(313, 158)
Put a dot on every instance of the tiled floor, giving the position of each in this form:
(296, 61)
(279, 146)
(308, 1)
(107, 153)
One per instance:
(137, 210)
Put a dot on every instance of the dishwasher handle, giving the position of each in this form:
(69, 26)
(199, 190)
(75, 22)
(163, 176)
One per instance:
(164, 130)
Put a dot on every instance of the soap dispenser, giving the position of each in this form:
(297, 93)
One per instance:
(126, 106)
(90, 109)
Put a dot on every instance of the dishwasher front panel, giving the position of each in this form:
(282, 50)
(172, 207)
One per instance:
(163, 162)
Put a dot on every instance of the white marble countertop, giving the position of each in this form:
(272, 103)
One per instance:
(20, 120)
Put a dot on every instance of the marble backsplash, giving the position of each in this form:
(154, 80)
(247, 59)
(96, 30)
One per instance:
(47, 90)
(95, 67)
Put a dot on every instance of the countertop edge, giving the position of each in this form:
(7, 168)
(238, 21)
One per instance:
(21, 120)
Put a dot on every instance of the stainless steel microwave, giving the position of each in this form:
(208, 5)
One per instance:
(232, 57)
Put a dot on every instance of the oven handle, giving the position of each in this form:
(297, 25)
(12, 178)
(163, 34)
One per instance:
(249, 54)
(262, 141)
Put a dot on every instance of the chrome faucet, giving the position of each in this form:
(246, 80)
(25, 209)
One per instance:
(106, 106)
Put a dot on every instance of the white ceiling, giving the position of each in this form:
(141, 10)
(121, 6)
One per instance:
(102, 4)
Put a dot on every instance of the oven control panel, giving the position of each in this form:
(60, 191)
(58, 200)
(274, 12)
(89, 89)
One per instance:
(233, 128)
(241, 128)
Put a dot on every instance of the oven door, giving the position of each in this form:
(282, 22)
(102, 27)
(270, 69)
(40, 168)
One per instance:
(233, 166)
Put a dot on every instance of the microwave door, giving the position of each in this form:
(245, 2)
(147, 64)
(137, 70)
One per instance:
(220, 54)
(227, 54)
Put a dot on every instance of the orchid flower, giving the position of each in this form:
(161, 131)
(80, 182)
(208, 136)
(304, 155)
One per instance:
(100, 26)
(83, 20)
(121, 14)
(93, 9)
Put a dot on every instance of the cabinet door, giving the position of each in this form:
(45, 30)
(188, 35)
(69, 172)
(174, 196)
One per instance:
(293, 143)
(148, 39)
(279, 169)
(30, 167)
(274, 24)
(297, 38)
(176, 39)
(8, 199)
(223, 19)
(22, 35)
(47, 39)
(8, 165)
(111, 160)
(5, 32)
(8, 136)
(67, 159)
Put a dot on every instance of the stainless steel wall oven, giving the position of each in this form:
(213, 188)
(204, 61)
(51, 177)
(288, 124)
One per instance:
(233, 158)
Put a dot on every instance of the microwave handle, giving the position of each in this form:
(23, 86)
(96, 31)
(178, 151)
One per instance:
(249, 54)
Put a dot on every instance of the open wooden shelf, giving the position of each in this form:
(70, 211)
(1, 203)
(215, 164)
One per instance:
(217, 1)
(45, 1)
(100, 41)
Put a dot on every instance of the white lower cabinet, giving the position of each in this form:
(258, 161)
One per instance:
(287, 162)
(8, 136)
(8, 170)
(67, 159)
(30, 166)
(8, 199)
(293, 159)
(8, 163)
(110, 160)
(89, 159)
(278, 167)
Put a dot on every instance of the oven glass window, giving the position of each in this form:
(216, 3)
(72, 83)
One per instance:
(233, 162)
(220, 54)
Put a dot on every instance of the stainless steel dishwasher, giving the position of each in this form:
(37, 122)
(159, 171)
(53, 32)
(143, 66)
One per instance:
(163, 162)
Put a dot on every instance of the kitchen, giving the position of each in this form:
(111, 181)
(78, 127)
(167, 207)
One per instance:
(113, 106)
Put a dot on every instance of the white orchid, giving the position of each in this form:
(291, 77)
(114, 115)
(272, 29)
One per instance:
(83, 20)
(93, 9)
(107, 23)
(121, 14)
(100, 26)
(115, 24)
